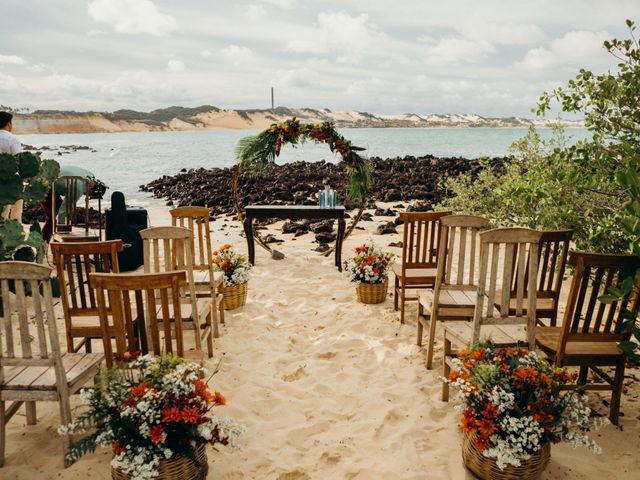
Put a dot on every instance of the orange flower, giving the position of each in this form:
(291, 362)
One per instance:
(202, 391)
(171, 415)
(219, 398)
(140, 389)
(456, 374)
(156, 434)
(190, 415)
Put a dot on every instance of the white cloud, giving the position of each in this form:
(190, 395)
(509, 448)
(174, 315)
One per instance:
(256, 12)
(455, 50)
(132, 16)
(339, 32)
(205, 53)
(8, 83)
(13, 59)
(237, 54)
(507, 33)
(176, 66)
(574, 48)
(299, 77)
(279, 3)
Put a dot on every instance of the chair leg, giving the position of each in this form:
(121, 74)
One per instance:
(421, 318)
(3, 432)
(65, 419)
(402, 300)
(395, 294)
(87, 345)
(446, 369)
(213, 327)
(432, 337)
(616, 394)
(30, 408)
(582, 375)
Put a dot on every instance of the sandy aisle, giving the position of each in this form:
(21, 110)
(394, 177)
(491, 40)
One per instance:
(327, 388)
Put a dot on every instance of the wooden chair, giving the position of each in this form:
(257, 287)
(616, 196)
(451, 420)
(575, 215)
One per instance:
(552, 260)
(169, 249)
(591, 330)
(32, 367)
(501, 251)
(419, 255)
(65, 229)
(196, 219)
(74, 262)
(454, 296)
(137, 297)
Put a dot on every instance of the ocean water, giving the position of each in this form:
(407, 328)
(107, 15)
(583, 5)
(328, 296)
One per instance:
(124, 161)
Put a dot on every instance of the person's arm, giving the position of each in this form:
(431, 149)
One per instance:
(15, 146)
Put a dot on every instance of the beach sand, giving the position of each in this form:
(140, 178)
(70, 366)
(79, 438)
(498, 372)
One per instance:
(327, 388)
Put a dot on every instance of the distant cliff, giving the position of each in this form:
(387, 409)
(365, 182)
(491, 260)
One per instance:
(210, 117)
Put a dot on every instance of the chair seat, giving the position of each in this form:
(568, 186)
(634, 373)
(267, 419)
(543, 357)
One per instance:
(196, 356)
(78, 367)
(452, 303)
(202, 277)
(203, 305)
(415, 276)
(500, 335)
(597, 352)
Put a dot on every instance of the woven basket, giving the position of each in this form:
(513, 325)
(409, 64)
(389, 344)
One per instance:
(486, 468)
(178, 467)
(372, 292)
(234, 296)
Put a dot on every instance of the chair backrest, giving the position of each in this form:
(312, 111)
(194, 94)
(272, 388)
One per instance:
(71, 183)
(503, 251)
(553, 252)
(28, 330)
(150, 292)
(420, 238)
(586, 318)
(196, 219)
(459, 252)
(74, 262)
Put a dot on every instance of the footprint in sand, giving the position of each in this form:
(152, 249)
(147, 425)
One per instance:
(297, 375)
(326, 355)
(294, 475)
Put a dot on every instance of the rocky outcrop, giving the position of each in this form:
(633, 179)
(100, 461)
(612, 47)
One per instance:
(402, 179)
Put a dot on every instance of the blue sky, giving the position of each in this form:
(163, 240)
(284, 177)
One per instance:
(493, 58)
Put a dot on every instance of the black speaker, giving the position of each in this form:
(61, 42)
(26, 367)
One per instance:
(135, 216)
(125, 223)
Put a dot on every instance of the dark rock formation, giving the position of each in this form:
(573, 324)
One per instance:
(387, 227)
(395, 179)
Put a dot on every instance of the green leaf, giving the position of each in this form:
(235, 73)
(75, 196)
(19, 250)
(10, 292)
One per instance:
(28, 164)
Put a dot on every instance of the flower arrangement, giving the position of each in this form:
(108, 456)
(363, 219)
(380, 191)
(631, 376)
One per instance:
(369, 264)
(159, 408)
(234, 265)
(512, 404)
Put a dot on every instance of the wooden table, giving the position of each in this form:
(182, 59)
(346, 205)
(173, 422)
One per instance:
(293, 212)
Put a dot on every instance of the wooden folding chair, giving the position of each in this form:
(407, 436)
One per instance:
(591, 330)
(501, 251)
(135, 301)
(196, 219)
(454, 296)
(552, 260)
(74, 262)
(32, 367)
(420, 239)
(168, 249)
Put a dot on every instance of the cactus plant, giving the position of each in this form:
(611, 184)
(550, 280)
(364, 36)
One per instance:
(23, 176)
